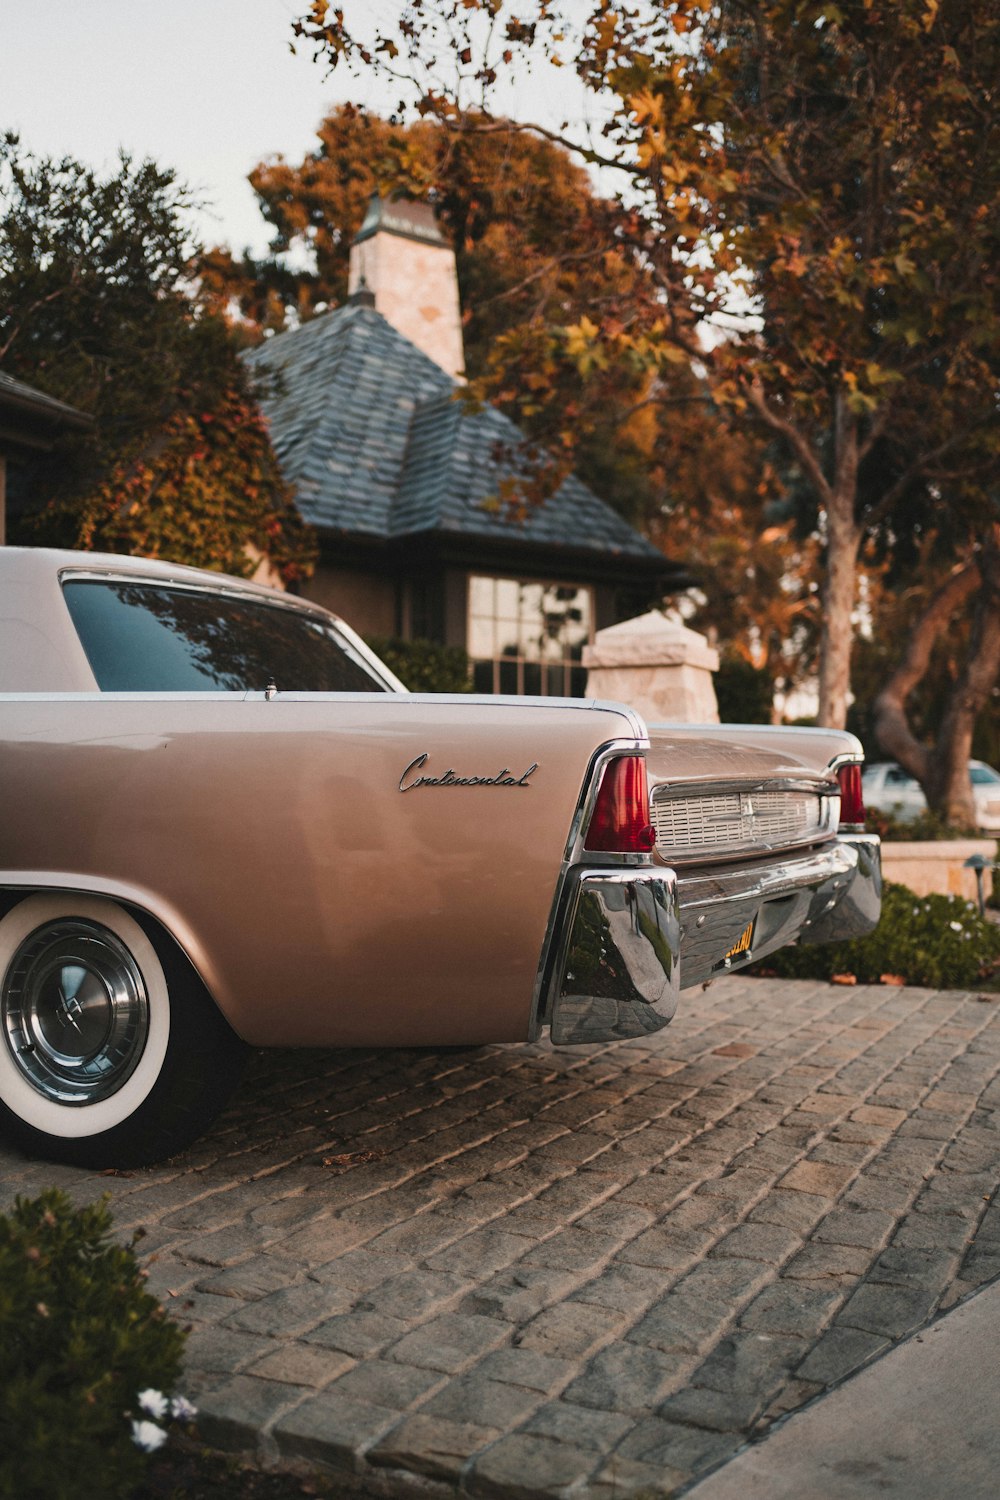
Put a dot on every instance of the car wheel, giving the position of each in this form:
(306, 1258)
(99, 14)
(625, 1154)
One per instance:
(112, 1054)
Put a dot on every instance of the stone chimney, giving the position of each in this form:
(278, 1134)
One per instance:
(400, 257)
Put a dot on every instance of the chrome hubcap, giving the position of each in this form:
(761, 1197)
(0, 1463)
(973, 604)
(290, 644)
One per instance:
(75, 1011)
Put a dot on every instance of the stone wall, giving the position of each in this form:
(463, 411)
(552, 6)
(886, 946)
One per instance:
(938, 866)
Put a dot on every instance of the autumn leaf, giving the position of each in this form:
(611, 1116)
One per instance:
(354, 1158)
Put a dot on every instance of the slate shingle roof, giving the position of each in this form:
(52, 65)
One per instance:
(18, 397)
(365, 428)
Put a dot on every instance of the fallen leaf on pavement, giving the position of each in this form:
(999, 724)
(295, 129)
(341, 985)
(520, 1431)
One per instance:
(353, 1158)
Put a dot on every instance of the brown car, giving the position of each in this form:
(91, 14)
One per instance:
(225, 822)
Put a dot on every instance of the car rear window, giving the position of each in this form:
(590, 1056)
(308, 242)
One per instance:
(143, 638)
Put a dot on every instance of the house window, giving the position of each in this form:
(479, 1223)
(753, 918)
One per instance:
(529, 637)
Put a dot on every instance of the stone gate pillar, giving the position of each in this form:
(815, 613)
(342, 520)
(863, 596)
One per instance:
(657, 666)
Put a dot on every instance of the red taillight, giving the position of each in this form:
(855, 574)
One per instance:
(620, 820)
(852, 802)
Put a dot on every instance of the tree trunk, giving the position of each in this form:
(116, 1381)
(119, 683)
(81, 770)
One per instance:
(892, 727)
(948, 791)
(843, 539)
(943, 768)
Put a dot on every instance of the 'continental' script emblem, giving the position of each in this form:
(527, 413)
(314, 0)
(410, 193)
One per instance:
(409, 779)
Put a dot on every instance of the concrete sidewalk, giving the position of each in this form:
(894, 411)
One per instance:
(923, 1422)
(527, 1273)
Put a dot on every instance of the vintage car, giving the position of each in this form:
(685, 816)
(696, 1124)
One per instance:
(225, 823)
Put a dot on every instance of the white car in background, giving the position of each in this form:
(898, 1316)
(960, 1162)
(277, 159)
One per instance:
(890, 789)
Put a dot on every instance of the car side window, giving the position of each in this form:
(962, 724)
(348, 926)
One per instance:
(141, 637)
(896, 776)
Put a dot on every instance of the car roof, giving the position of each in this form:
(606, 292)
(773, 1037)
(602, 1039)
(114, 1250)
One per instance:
(49, 562)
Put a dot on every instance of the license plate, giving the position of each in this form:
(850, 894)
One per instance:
(743, 942)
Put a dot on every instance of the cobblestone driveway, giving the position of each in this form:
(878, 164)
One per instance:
(522, 1271)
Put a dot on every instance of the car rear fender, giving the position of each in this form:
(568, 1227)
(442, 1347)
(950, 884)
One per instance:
(340, 869)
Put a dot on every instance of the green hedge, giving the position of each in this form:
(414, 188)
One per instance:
(424, 666)
(927, 826)
(938, 941)
(743, 692)
(87, 1357)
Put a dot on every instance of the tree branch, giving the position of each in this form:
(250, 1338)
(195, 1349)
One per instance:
(892, 728)
(919, 466)
(26, 314)
(879, 423)
(796, 440)
(553, 263)
(487, 125)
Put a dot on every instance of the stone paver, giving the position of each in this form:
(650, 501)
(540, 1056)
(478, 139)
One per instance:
(526, 1273)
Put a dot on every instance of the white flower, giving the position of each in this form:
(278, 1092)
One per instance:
(955, 926)
(153, 1403)
(182, 1410)
(147, 1436)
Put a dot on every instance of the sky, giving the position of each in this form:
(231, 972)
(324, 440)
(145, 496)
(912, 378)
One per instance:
(207, 87)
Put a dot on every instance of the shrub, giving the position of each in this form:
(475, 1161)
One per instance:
(925, 826)
(743, 692)
(81, 1340)
(938, 941)
(424, 666)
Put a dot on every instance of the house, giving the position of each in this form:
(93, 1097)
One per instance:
(401, 480)
(30, 423)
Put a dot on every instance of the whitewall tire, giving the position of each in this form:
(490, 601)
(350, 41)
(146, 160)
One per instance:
(111, 1052)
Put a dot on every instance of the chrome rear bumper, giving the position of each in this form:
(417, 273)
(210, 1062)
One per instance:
(616, 970)
(630, 939)
(737, 914)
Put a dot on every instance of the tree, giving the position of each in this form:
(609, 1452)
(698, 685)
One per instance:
(731, 521)
(973, 678)
(99, 307)
(535, 248)
(817, 182)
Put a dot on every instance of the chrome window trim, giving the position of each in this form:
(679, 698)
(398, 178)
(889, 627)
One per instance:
(230, 587)
(252, 595)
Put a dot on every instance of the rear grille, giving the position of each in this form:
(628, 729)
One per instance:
(729, 821)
